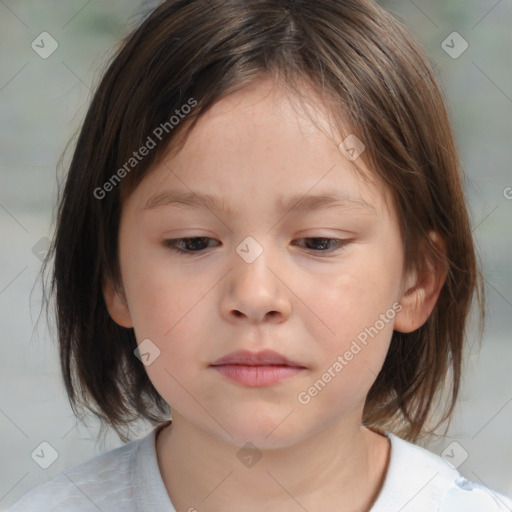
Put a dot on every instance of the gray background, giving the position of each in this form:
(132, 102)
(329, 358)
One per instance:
(42, 102)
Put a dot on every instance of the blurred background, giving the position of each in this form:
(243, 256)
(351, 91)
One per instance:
(52, 54)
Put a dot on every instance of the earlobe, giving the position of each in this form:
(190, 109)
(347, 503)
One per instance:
(117, 305)
(422, 289)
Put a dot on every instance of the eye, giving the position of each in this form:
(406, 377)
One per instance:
(323, 243)
(196, 244)
(190, 248)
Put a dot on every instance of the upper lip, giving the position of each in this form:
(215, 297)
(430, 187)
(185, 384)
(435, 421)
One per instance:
(263, 358)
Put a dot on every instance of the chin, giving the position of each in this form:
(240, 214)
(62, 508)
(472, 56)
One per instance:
(263, 433)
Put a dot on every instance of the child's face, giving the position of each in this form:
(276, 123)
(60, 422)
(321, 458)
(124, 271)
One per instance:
(302, 298)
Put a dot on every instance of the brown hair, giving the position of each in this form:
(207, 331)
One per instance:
(370, 74)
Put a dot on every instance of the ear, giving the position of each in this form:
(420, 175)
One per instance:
(117, 305)
(422, 289)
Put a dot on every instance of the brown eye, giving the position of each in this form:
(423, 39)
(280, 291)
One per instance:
(321, 244)
(187, 245)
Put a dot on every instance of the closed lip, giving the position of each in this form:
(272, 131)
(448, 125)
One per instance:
(263, 358)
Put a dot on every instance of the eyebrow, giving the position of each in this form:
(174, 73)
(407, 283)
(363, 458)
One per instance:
(329, 199)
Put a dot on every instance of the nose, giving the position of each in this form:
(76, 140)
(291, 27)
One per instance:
(256, 292)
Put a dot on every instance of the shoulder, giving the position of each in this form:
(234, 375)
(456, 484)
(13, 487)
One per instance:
(421, 481)
(86, 486)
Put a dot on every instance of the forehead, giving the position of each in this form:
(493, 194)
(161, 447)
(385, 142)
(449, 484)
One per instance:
(258, 144)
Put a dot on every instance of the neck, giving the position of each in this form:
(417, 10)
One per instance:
(341, 464)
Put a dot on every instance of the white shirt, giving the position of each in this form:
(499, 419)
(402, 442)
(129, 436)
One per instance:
(128, 479)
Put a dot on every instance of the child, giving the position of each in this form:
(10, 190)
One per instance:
(263, 235)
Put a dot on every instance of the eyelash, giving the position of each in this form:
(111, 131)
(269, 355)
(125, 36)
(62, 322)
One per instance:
(172, 244)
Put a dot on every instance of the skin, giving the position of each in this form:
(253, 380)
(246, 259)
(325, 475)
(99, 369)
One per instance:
(304, 301)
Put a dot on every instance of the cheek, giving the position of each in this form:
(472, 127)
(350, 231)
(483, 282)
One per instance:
(168, 309)
(352, 326)
(352, 298)
(170, 317)
(162, 303)
(160, 293)
(352, 350)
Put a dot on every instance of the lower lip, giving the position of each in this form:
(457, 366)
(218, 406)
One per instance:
(257, 376)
